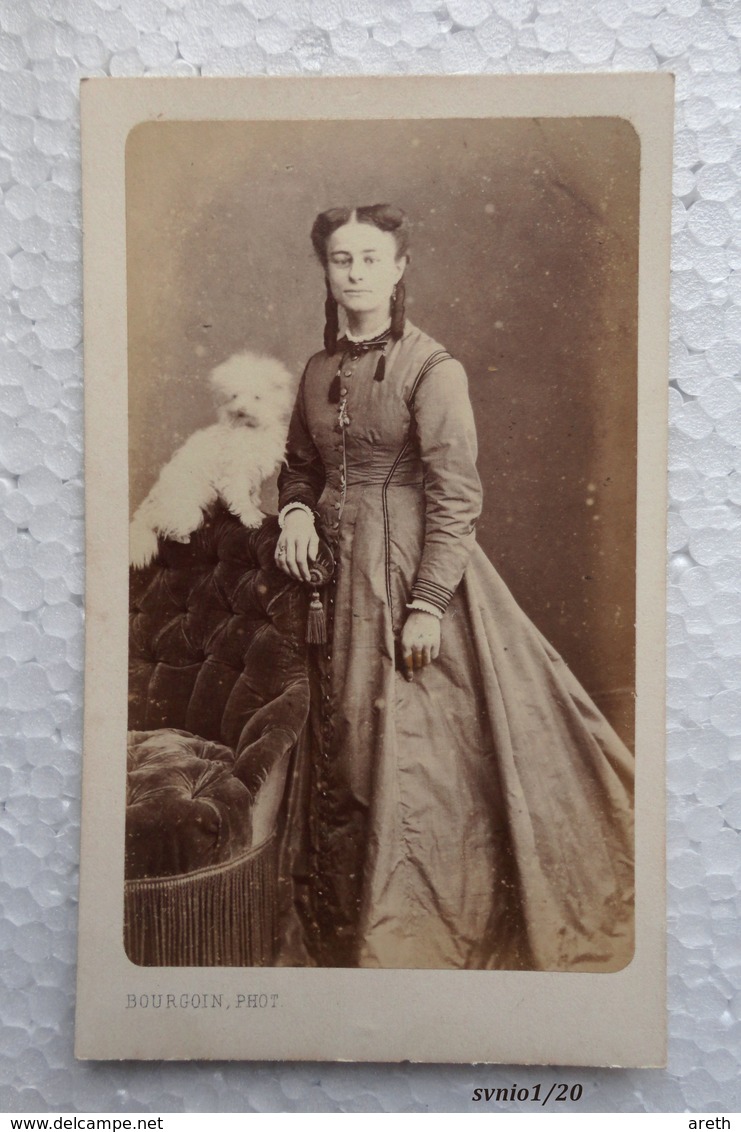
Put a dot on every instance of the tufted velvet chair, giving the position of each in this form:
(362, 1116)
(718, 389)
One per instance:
(218, 695)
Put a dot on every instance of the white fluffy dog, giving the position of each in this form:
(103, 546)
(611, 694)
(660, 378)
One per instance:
(229, 459)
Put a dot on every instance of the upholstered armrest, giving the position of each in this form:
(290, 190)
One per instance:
(263, 752)
(256, 762)
(287, 712)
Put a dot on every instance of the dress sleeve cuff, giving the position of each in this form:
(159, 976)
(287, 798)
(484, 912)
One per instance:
(432, 593)
(294, 506)
(425, 607)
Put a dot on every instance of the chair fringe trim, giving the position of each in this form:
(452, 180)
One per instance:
(222, 916)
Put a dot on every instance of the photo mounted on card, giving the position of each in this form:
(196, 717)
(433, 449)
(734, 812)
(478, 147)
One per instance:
(375, 377)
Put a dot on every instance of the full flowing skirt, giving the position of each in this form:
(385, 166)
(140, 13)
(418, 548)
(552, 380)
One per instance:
(479, 816)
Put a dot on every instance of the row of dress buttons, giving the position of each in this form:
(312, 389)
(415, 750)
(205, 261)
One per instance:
(324, 757)
(322, 919)
(344, 420)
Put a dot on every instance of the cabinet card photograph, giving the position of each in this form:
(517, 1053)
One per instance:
(375, 455)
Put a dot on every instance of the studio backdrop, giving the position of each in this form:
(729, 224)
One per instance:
(523, 265)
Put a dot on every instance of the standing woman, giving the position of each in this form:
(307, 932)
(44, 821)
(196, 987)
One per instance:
(462, 803)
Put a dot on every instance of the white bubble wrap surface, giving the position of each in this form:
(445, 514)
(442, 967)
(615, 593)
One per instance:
(45, 47)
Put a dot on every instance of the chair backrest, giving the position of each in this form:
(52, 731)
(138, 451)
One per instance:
(216, 631)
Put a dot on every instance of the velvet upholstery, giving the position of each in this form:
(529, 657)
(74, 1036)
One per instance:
(216, 633)
(218, 695)
(185, 809)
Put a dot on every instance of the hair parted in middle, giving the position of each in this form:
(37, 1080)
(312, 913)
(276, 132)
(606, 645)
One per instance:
(385, 217)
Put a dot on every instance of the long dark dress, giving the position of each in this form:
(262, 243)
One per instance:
(480, 816)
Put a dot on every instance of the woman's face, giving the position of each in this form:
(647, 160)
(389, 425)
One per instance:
(362, 267)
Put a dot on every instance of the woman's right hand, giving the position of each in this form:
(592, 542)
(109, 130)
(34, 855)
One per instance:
(298, 545)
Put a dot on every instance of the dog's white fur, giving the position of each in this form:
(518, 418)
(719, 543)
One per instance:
(229, 459)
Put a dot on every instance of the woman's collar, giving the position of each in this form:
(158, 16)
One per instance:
(368, 337)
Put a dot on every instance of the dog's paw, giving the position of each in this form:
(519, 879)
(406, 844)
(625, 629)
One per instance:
(184, 539)
(143, 545)
(251, 519)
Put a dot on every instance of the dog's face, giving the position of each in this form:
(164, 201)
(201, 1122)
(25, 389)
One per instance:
(254, 392)
(244, 411)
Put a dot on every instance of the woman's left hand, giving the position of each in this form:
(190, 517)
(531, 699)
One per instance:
(420, 641)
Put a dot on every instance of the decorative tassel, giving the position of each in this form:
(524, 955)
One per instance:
(397, 310)
(316, 626)
(331, 322)
(380, 368)
(334, 390)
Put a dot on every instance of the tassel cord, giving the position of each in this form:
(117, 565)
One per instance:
(316, 625)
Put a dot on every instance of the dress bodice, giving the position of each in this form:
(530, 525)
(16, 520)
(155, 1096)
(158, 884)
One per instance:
(414, 429)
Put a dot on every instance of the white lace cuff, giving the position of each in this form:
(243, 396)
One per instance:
(293, 507)
(425, 607)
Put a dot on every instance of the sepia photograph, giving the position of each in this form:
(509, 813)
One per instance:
(383, 399)
(455, 798)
